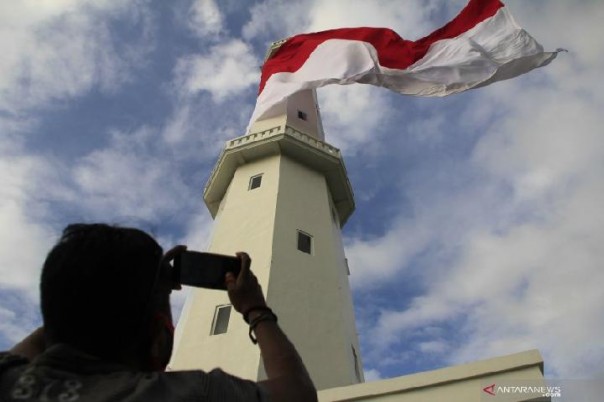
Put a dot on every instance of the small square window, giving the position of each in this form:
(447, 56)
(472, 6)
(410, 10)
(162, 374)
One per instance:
(302, 115)
(255, 182)
(304, 242)
(221, 320)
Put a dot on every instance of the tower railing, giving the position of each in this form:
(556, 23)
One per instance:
(299, 135)
(273, 132)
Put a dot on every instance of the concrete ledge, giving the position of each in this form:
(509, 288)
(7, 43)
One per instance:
(530, 363)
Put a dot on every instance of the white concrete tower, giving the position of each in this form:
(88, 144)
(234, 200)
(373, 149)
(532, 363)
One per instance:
(282, 194)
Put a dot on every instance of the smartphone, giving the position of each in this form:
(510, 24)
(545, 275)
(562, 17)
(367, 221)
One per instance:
(205, 270)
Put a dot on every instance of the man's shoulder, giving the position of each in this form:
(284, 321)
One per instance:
(10, 361)
(23, 377)
(8, 358)
(48, 377)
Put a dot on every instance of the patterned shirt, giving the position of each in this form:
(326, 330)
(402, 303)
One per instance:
(64, 374)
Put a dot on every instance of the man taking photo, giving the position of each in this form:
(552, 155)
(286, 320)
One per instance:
(108, 331)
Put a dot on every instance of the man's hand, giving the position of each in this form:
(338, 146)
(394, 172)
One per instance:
(244, 291)
(167, 260)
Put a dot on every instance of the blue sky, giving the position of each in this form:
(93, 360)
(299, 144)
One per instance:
(478, 227)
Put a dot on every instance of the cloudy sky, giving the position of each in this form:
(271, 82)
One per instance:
(479, 228)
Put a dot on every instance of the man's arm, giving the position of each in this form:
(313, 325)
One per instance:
(31, 346)
(288, 379)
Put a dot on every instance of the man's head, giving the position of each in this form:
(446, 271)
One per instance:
(102, 291)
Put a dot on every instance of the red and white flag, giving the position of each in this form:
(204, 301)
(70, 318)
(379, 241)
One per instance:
(483, 44)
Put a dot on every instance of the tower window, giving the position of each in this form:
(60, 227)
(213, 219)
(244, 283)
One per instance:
(302, 115)
(304, 242)
(255, 181)
(221, 320)
(357, 370)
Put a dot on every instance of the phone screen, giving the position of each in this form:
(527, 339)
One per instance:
(205, 270)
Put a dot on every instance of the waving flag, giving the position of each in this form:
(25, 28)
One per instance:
(483, 44)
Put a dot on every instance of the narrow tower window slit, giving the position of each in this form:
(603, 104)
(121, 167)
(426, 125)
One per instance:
(357, 370)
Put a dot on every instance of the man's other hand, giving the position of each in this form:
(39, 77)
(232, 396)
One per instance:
(244, 290)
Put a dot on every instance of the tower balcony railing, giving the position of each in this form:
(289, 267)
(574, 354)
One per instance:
(274, 132)
(273, 48)
(299, 135)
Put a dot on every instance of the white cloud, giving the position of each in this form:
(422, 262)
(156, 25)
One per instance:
(225, 71)
(272, 20)
(408, 19)
(198, 230)
(372, 375)
(22, 248)
(205, 18)
(129, 180)
(126, 183)
(374, 261)
(178, 126)
(17, 316)
(56, 50)
(129, 183)
(351, 115)
(433, 347)
(533, 281)
(27, 181)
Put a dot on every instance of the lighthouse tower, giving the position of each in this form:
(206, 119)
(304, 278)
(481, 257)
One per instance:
(280, 193)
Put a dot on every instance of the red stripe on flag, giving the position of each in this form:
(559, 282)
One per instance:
(393, 51)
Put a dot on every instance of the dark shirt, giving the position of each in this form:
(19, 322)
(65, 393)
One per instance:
(64, 374)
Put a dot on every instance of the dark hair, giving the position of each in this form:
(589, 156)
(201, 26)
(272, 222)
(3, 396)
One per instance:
(97, 287)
